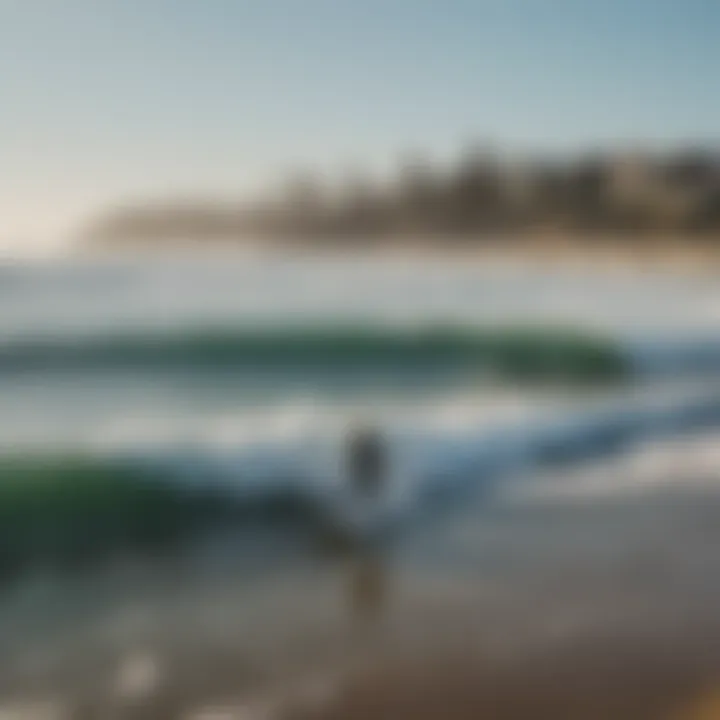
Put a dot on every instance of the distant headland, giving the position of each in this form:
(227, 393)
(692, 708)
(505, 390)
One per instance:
(480, 198)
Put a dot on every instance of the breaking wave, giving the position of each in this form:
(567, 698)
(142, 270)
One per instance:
(65, 508)
(512, 351)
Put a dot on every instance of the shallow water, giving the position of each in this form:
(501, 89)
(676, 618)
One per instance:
(539, 571)
(538, 513)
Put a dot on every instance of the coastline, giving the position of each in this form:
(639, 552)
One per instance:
(553, 250)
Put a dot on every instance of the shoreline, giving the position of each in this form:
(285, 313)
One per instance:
(554, 250)
(583, 611)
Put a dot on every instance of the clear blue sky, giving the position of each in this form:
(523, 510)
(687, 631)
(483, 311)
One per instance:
(103, 100)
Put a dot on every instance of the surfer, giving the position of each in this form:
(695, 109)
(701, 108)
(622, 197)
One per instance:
(368, 473)
(354, 515)
(367, 462)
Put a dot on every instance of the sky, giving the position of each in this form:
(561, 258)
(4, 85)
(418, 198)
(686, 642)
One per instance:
(111, 101)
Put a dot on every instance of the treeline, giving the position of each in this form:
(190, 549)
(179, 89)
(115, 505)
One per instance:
(482, 194)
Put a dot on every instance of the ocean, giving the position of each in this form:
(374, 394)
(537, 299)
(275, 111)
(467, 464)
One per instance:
(171, 424)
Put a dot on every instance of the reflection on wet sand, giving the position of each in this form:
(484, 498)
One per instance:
(368, 589)
(706, 707)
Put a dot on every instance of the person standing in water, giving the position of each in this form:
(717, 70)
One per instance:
(367, 463)
(355, 514)
(368, 473)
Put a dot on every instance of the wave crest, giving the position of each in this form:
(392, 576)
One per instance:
(513, 351)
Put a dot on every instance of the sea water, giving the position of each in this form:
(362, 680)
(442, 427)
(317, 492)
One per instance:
(93, 365)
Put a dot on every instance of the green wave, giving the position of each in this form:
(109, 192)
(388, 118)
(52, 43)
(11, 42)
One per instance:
(67, 511)
(513, 351)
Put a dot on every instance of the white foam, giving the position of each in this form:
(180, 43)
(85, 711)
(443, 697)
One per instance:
(138, 676)
(681, 463)
(438, 443)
